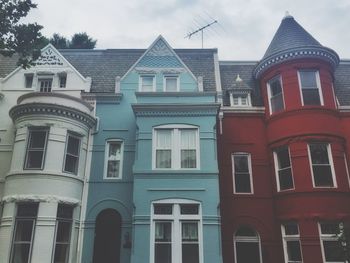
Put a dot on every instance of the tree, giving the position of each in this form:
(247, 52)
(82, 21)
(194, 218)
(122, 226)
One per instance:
(82, 41)
(15, 37)
(59, 41)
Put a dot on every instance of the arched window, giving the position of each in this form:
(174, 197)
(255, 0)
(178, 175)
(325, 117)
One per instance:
(247, 246)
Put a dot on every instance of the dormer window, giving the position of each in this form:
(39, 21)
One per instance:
(171, 83)
(275, 94)
(45, 84)
(309, 82)
(242, 100)
(62, 80)
(240, 94)
(147, 83)
(29, 80)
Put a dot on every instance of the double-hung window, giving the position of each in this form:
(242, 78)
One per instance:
(247, 246)
(283, 169)
(63, 233)
(176, 232)
(62, 78)
(113, 159)
(322, 165)
(330, 246)
(147, 83)
(24, 232)
(310, 87)
(242, 173)
(71, 160)
(171, 83)
(29, 80)
(291, 243)
(36, 148)
(176, 147)
(275, 94)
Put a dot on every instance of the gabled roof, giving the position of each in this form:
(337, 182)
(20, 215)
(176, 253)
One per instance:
(290, 42)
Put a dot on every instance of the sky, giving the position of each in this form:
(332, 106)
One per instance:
(243, 31)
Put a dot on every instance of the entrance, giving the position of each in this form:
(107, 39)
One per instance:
(107, 237)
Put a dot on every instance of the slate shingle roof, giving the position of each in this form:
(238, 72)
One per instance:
(103, 66)
(342, 82)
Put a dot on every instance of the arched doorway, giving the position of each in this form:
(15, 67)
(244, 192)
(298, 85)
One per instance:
(107, 237)
(247, 246)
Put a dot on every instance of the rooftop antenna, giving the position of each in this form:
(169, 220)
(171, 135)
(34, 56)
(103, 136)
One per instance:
(200, 30)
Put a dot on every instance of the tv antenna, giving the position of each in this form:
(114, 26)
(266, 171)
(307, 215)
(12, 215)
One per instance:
(189, 35)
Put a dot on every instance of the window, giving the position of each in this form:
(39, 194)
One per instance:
(247, 246)
(45, 85)
(22, 242)
(330, 246)
(291, 243)
(322, 165)
(29, 80)
(71, 161)
(176, 232)
(275, 94)
(176, 148)
(147, 83)
(63, 233)
(113, 159)
(63, 80)
(242, 173)
(240, 100)
(309, 82)
(283, 169)
(171, 83)
(36, 148)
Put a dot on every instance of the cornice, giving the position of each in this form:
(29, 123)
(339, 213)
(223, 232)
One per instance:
(104, 97)
(259, 110)
(175, 94)
(189, 110)
(323, 53)
(51, 109)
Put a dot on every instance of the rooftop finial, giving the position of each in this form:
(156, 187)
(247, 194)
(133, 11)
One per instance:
(238, 78)
(287, 15)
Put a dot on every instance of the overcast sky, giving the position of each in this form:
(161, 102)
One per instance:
(243, 32)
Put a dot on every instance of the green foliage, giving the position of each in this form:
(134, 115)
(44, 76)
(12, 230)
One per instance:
(59, 41)
(82, 41)
(16, 37)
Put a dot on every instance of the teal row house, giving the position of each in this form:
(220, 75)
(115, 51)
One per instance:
(153, 193)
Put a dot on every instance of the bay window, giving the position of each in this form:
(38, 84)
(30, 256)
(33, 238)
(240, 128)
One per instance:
(36, 148)
(309, 82)
(176, 147)
(275, 94)
(283, 169)
(72, 153)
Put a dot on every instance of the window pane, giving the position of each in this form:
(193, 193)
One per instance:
(64, 211)
(45, 85)
(308, 79)
(311, 97)
(277, 103)
(73, 145)
(21, 253)
(246, 232)
(162, 253)
(114, 151)
(147, 83)
(37, 139)
(242, 183)
(333, 251)
(283, 157)
(63, 231)
(319, 153)
(190, 253)
(113, 169)
(34, 159)
(27, 209)
(29, 81)
(163, 159)
(163, 232)
(276, 95)
(188, 158)
(247, 252)
(164, 139)
(189, 209)
(171, 84)
(329, 228)
(71, 164)
(291, 229)
(293, 250)
(241, 163)
(61, 253)
(24, 230)
(285, 179)
(322, 175)
(163, 209)
(63, 81)
(188, 139)
(190, 232)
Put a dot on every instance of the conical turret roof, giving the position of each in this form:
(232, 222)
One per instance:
(292, 41)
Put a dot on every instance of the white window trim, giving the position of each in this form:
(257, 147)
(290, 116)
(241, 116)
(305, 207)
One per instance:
(275, 158)
(331, 163)
(175, 147)
(347, 168)
(176, 219)
(30, 129)
(318, 83)
(249, 240)
(106, 159)
(141, 79)
(286, 238)
(326, 237)
(249, 169)
(269, 93)
(70, 134)
(249, 102)
(177, 82)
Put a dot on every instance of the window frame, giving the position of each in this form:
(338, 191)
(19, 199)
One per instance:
(176, 219)
(76, 136)
(141, 82)
(165, 77)
(277, 169)
(239, 97)
(326, 237)
(45, 78)
(249, 169)
(24, 218)
(27, 77)
(29, 136)
(246, 239)
(269, 93)
(175, 146)
(105, 169)
(286, 238)
(62, 84)
(318, 83)
(331, 164)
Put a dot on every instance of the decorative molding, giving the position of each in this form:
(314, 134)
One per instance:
(150, 70)
(323, 53)
(40, 198)
(176, 189)
(259, 110)
(175, 94)
(49, 58)
(51, 109)
(159, 49)
(103, 97)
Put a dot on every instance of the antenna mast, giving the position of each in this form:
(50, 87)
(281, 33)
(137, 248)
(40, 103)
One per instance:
(200, 30)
